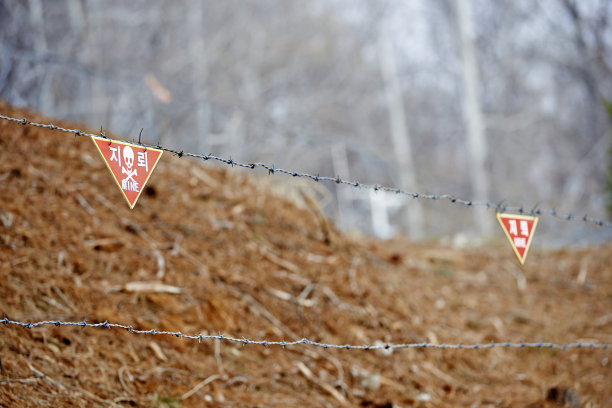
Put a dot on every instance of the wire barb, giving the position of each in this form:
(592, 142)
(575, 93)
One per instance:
(271, 169)
(304, 341)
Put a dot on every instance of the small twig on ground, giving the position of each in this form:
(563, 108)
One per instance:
(84, 204)
(277, 260)
(129, 376)
(352, 277)
(137, 287)
(521, 281)
(44, 376)
(218, 358)
(305, 371)
(200, 385)
(21, 380)
(582, 275)
(157, 351)
(278, 325)
(64, 298)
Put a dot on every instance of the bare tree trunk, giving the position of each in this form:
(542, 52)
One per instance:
(75, 15)
(93, 49)
(472, 114)
(76, 20)
(588, 72)
(593, 63)
(344, 195)
(195, 22)
(45, 96)
(400, 134)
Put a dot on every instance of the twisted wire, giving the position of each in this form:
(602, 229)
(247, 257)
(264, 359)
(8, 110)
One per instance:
(304, 341)
(271, 169)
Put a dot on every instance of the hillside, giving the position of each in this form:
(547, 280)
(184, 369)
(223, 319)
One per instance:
(242, 261)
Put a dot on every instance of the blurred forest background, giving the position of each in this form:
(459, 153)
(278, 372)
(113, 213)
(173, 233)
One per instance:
(501, 101)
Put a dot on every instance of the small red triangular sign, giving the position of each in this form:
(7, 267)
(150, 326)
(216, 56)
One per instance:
(131, 165)
(519, 229)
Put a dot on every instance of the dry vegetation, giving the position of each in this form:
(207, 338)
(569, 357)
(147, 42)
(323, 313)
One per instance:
(251, 264)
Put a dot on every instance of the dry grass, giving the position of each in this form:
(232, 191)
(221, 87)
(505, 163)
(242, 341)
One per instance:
(247, 263)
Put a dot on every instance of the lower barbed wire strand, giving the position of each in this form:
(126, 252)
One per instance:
(337, 180)
(305, 341)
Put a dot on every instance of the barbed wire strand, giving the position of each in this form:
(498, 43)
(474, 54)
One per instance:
(271, 169)
(305, 341)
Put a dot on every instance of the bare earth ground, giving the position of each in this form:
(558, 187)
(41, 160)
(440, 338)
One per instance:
(251, 264)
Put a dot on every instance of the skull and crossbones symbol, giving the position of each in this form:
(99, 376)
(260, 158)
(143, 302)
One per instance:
(128, 159)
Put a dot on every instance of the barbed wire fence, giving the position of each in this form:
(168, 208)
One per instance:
(304, 341)
(271, 169)
(381, 346)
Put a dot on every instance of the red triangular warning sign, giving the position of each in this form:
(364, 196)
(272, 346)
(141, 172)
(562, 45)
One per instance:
(131, 165)
(519, 229)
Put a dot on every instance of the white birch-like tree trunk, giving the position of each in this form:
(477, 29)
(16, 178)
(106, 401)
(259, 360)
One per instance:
(344, 195)
(400, 134)
(472, 115)
(93, 49)
(195, 23)
(45, 96)
(76, 21)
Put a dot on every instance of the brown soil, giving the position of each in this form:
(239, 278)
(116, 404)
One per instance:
(249, 263)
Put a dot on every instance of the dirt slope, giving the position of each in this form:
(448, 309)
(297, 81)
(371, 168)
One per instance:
(251, 264)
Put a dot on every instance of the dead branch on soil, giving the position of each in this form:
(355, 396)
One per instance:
(199, 386)
(138, 287)
(305, 371)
